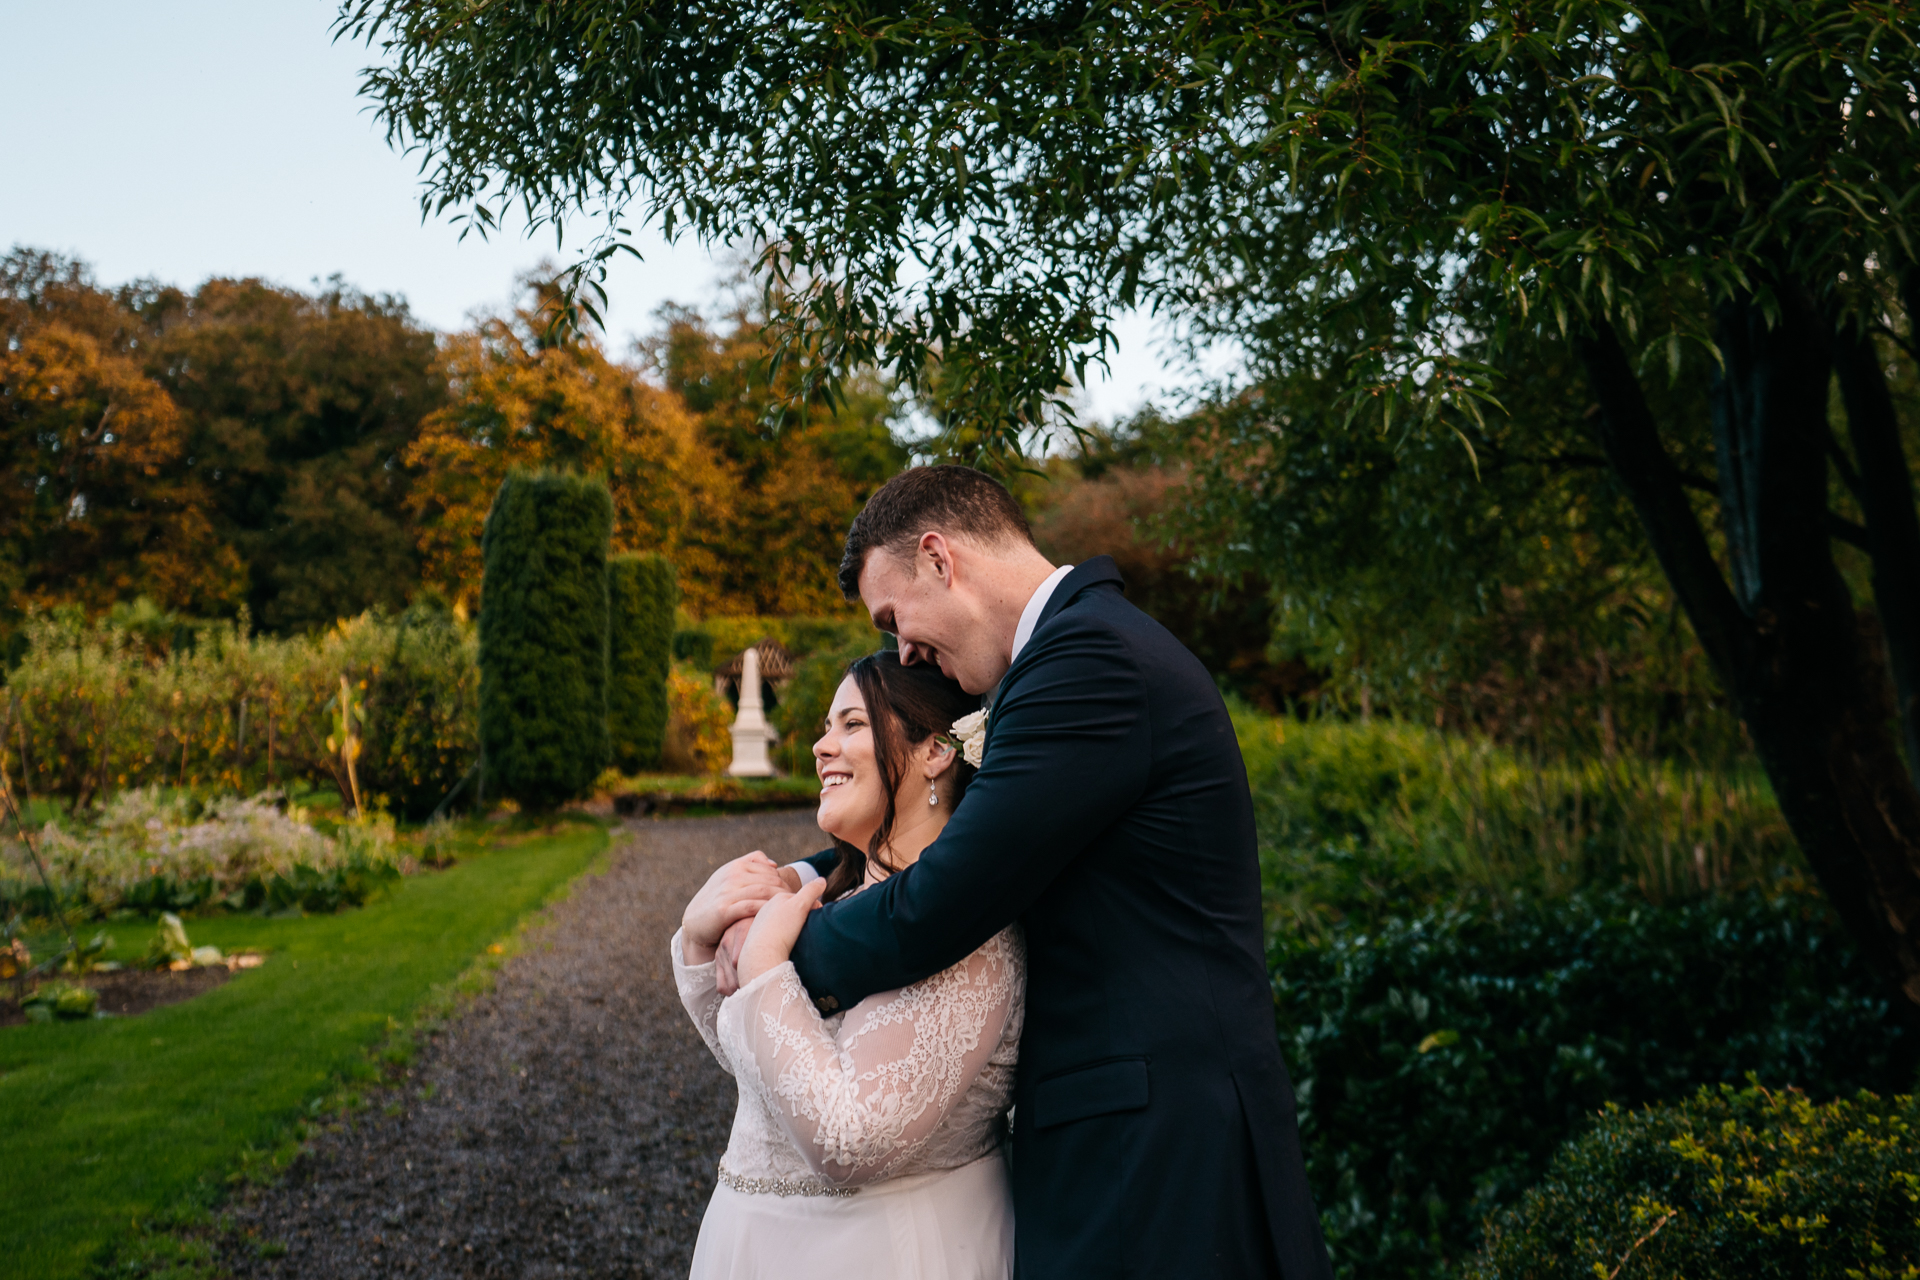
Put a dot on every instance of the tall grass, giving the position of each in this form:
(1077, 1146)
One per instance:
(1374, 818)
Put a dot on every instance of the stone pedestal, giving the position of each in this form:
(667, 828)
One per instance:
(750, 732)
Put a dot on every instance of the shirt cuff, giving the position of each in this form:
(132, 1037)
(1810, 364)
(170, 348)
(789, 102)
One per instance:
(807, 872)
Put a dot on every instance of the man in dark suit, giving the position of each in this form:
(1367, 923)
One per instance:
(1154, 1131)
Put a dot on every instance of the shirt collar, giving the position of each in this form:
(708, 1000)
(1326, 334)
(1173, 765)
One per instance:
(1030, 616)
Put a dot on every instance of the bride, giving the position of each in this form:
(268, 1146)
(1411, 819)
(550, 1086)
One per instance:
(869, 1142)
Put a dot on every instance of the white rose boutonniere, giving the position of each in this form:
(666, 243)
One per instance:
(971, 732)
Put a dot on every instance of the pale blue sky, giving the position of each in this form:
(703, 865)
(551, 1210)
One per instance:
(223, 137)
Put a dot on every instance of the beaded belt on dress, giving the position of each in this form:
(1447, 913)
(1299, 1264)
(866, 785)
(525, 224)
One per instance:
(781, 1186)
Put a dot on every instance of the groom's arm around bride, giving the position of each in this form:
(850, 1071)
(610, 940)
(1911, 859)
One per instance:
(1154, 1120)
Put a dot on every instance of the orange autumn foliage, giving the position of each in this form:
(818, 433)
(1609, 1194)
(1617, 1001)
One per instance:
(103, 503)
(518, 403)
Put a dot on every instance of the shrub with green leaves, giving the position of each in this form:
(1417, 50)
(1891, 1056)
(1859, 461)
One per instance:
(641, 594)
(1725, 1185)
(543, 637)
(1441, 1059)
(1371, 820)
(92, 709)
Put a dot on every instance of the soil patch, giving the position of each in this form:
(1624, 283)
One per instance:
(566, 1124)
(132, 991)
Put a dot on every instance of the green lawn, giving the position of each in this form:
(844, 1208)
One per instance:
(107, 1122)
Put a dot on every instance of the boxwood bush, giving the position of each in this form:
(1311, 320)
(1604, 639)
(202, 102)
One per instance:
(641, 593)
(1441, 1059)
(543, 637)
(1726, 1185)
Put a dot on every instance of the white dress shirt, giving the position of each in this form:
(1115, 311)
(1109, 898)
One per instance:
(1030, 616)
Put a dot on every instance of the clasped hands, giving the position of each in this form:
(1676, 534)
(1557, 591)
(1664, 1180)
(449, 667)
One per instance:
(746, 917)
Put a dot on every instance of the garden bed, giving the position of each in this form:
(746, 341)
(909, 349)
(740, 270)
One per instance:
(133, 991)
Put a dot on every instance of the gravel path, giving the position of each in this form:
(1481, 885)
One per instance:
(566, 1124)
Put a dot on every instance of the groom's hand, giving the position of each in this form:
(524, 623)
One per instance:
(733, 893)
(726, 957)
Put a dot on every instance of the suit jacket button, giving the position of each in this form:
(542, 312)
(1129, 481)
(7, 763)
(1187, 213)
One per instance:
(826, 1004)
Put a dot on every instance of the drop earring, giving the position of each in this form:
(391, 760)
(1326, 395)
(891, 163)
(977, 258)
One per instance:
(933, 794)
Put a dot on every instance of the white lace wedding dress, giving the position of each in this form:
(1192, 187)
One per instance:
(867, 1144)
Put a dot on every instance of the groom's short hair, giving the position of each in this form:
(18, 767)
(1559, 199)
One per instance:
(949, 499)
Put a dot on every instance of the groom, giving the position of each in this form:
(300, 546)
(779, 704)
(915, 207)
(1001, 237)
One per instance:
(1154, 1130)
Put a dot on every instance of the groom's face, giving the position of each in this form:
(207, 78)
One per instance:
(935, 618)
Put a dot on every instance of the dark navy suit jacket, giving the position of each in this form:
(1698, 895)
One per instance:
(1154, 1129)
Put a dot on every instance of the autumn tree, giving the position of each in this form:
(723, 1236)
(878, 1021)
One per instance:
(102, 501)
(1126, 492)
(522, 400)
(799, 469)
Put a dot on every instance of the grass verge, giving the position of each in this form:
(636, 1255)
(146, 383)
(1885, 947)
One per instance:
(111, 1122)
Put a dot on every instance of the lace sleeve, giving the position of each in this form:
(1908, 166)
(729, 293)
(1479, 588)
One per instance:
(700, 993)
(857, 1104)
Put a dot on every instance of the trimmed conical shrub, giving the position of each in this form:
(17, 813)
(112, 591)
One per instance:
(543, 638)
(641, 593)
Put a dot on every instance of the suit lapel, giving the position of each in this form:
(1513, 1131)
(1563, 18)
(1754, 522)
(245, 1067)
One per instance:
(1090, 573)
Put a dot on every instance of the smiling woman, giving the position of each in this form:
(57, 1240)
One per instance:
(890, 774)
(876, 1130)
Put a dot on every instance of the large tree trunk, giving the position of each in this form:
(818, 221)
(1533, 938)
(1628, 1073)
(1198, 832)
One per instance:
(1784, 635)
(1884, 486)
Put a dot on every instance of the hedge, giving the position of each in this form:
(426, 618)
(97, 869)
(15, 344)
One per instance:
(1726, 1185)
(1441, 1060)
(641, 594)
(543, 637)
(92, 709)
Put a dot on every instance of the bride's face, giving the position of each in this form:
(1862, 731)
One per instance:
(853, 798)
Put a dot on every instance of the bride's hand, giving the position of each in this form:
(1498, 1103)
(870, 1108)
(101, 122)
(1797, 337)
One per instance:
(734, 892)
(775, 928)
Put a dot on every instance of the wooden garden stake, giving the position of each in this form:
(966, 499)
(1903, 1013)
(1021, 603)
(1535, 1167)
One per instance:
(13, 811)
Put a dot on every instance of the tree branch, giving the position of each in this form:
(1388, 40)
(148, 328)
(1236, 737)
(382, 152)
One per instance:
(1844, 530)
(1631, 441)
(1842, 463)
(1892, 533)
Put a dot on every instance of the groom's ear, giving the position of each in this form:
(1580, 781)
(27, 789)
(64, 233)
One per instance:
(936, 553)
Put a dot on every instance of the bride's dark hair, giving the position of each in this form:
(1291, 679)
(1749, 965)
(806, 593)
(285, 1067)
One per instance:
(906, 705)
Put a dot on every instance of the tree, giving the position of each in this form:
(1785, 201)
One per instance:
(641, 594)
(1126, 493)
(1363, 192)
(1505, 585)
(800, 469)
(102, 502)
(520, 401)
(289, 412)
(543, 638)
(298, 411)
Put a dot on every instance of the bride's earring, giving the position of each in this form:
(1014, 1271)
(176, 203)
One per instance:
(933, 794)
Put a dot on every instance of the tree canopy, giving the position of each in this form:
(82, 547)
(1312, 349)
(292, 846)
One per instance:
(1329, 185)
(1397, 198)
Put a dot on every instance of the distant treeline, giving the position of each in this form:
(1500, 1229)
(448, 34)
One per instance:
(312, 455)
(305, 457)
